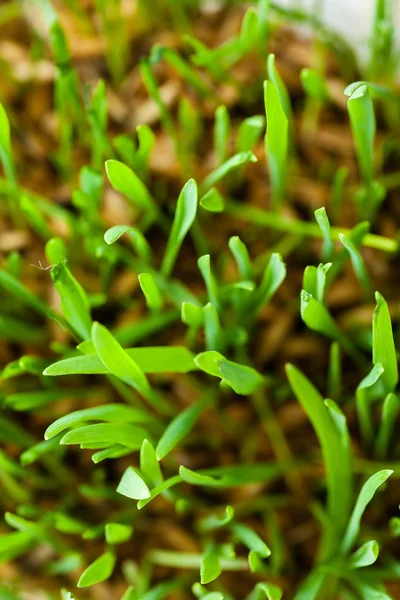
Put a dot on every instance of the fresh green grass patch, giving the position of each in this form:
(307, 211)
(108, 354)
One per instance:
(164, 386)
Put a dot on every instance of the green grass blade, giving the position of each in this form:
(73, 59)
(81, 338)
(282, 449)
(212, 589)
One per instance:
(126, 182)
(390, 411)
(358, 264)
(99, 570)
(363, 402)
(249, 132)
(210, 566)
(366, 494)
(21, 293)
(74, 301)
(362, 119)
(139, 242)
(118, 533)
(334, 449)
(101, 435)
(149, 463)
(241, 256)
(151, 291)
(266, 590)
(322, 219)
(276, 142)
(221, 134)
(132, 485)
(213, 201)
(383, 348)
(108, 412)
(152, 359)
(235, 161)
(185, 215)
(6, 155)
(118, 361)
(180, 426)
(204, 264)
(364, 556)
(276, 79)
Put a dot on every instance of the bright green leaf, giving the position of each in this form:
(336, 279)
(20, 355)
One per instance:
(99, 570)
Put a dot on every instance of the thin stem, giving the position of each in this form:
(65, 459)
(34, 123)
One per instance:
(189, 560)
(263, 218)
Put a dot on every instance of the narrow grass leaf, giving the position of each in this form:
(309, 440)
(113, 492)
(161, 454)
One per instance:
(273, 276)
(126, 182)
(180, 426)
(312, 585)
(159, 489)
(314, 84)
(100, 435)
(14, 544)
(366, 494)
(74, 301)
(132, 485)
(390, 411)
(56, 250)
(107, 412)
(212, 327)
(213, 201)
(336, 460)
(212, 521)
(185, 70)
(99, 570)
(39, 450)
(276, 79)
(151, 359)
(322, 219)
(221, 134)
(364, 556)
(209, 362)
(204, 264)
(251, 540)
(185, 215)
(337, 192)
(197, 478)
(118, 533)
(229, 165)
(363, 401)
(362, 119)
(21, 293)
(192, 315)
(276, 142)
(210, 566)
(117, 360)
(249, 30)
(139, 242)
(317, 317)
(35, 399)
(149, 464)
(383, 348)
(314, 280)
(358, 263)
(241, 256)
(151, 291)
(266, 590)
(368, 591)
(6, 155)
(114, 451)
(249, 133)
(242, 379)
